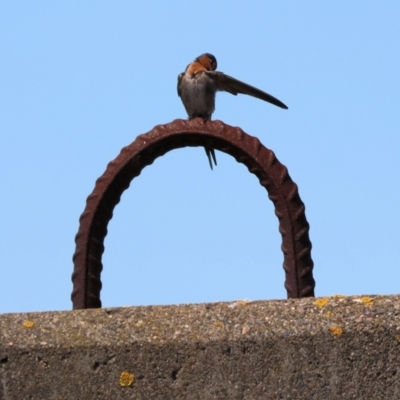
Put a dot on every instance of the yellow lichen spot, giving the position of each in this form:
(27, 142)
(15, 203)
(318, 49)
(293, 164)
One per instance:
(329, 314)
(338, 296)
(126, 379)
(336, 330)
(398, 338)
(321, 302)
(368, 301)
(219, 324)
(28, 324)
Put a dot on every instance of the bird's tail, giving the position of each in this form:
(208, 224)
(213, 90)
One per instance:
(211, 156)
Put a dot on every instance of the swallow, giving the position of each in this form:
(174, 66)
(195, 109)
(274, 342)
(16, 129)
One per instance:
(198, 85)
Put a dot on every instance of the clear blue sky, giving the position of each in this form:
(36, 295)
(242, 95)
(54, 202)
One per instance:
(80, 80)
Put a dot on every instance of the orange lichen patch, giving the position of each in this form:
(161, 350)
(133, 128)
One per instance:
(126, 379)
(336, 330)
(219, 324)
(329, 314)
(239, 303)
(245, 330)
(28, 324)
(368, 301)
(321, 302)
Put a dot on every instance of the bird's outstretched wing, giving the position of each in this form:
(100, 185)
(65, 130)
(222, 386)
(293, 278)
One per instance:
(231, 85)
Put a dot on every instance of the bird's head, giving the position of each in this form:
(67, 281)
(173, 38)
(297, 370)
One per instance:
(208, 61)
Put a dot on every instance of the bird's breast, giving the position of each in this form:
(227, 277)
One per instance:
(198, 95)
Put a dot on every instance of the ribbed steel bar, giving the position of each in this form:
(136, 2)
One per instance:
(246, 149)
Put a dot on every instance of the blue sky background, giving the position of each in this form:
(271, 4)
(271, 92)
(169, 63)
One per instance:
(80, 80)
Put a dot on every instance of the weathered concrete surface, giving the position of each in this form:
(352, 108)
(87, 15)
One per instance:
(333, 348)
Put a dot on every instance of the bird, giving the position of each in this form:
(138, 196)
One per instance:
(198, 85)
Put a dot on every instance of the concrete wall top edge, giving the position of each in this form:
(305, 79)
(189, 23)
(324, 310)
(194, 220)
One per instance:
(336, 315)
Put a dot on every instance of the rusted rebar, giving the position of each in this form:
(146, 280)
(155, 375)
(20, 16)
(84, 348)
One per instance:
(283, 192)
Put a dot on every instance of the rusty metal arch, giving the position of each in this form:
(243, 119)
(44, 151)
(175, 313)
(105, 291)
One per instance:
(283, 192)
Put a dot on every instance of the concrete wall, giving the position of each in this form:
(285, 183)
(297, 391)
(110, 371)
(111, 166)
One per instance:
(333, 348)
